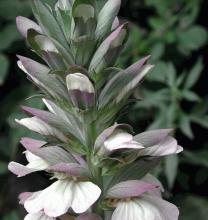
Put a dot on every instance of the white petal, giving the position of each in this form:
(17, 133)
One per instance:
(116, 139)
(62, 195)
(85, 194)
(35, 162)
(145, 208)
(54, 200)
(39, 126)
(20, 65)
(128, 211)
(48, 105)
(162, 208)
(78, 81)
(38, 216)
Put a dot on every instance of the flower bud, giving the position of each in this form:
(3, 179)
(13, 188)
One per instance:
(64, 5)
(81, 90)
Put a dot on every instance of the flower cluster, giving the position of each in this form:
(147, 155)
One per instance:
(99, 169)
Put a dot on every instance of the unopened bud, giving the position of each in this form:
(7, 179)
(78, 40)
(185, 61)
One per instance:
(63, 5)
(81, 90)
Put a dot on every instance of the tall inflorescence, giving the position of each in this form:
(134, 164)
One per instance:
(98, 168)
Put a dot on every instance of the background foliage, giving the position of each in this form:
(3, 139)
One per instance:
(173, 95)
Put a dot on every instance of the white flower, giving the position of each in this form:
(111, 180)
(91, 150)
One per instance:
(145, 208)
(140, 200)
(62, 195)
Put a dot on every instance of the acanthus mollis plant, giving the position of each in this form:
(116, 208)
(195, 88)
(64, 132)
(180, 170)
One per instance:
(99, 169)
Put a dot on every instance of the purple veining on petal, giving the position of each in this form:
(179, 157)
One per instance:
(115, 23)
(32, 66)
(31, 144)
(71, 169)
(54, 155)
(79, 159)
(131, 188)
(19, 169)
(134, 68)
(150, 138)
(106, 43)
(43, 115)
(24, 24)
(81, 99)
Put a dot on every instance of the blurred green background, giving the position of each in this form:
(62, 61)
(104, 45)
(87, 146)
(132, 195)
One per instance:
(174, 95)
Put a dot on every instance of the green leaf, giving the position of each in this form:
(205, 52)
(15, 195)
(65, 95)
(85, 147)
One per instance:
(194, 74)
(190, 96)
(202, 120)
(157, 51)
(8, 35)
(171, 169)
(10, 9)
(4, 66)
(171, 72)
(193, 38)
(199, 157)
(159, 72)
(185, 126)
